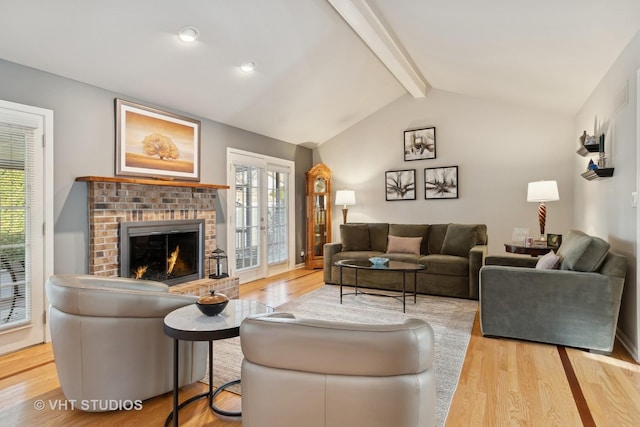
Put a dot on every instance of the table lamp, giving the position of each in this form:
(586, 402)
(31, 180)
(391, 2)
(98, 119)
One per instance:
(541, 192)
(345, 198)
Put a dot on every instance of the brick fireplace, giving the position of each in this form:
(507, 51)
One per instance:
(115, 200)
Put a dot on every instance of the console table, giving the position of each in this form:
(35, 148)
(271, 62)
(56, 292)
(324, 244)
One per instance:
(518, 248)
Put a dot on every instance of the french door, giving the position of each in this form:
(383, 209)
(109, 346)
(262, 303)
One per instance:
(261, 215)
(26, 223)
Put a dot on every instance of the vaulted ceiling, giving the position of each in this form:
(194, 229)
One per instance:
(322, 65)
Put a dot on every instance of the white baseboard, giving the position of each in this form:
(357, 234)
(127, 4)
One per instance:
(628, 344)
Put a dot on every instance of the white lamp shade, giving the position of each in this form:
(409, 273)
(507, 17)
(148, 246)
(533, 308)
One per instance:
(542, 191)
(345, 197)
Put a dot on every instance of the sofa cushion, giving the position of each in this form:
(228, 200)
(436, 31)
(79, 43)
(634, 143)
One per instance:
(404, 245)
(412, 230)
(436, 238)
(355, 237)
(581, 252)
(446, 265)
(378, 233)
(548, 261)
(459, 240)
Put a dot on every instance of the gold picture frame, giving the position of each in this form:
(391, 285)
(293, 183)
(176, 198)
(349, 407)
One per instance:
(156, 144)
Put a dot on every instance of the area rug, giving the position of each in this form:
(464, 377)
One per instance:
(450, 318)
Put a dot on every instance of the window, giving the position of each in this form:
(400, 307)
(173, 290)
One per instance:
(16, 166)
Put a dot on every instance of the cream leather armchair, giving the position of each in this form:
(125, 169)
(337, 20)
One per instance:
(109, 343)
(312, 373)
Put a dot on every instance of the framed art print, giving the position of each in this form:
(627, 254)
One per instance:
(156, 144)
(400, 185)
(420, 144)
(554, 240)
(441, 183)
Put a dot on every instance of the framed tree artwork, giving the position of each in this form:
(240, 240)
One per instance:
(156, 144)
(420, 144)
(400, 185)
(441, 183)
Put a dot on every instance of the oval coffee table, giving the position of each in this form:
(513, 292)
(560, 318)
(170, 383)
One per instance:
(189, 324)
(403, 267)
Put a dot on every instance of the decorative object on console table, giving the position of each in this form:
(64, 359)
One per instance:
(400, 185)
(519, 234)
(156, 144)
(420, 144)
(345, 198)
(554, 240)
(221, 261)
(441, 183)
(541, 192)
(318, 214)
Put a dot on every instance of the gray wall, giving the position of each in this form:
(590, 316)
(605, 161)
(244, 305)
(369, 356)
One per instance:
(84, 133)
(497, 147)
(603, 207)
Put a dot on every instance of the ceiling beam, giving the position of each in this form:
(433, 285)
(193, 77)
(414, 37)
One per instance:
(359, 15)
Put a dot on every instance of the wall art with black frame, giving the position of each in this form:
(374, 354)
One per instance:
(441, 183)
(400, 184)
(420, 144)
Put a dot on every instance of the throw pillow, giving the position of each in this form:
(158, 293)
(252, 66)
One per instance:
(459, 239)
(404, 245)
(355, 237)
(412, 230)
(550, 261)
(581, 252)
(378, 233)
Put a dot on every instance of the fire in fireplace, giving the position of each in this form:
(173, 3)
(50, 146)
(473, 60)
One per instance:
(167, 251)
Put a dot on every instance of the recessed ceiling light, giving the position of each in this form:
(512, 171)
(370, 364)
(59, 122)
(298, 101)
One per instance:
(248, 66)
(188, 34)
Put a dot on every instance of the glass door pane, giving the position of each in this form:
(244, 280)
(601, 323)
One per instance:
(277, 217)
(248, 220)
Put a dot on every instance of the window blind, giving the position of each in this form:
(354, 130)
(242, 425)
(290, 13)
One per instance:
(17, 142)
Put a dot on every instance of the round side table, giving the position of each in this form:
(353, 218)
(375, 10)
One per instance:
(189, 324)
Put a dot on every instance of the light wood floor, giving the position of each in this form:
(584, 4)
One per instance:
(503, 382)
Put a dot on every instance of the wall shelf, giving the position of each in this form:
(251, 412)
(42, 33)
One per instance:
(585, 150)
(597, 174)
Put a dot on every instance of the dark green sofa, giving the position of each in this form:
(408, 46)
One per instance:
(575, 305)
(452, 254)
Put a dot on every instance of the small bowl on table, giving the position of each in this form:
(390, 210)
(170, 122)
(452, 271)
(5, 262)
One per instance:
(378, 261)
(212, 304)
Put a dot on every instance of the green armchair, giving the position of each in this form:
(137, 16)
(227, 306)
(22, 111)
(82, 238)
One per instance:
(575, 305)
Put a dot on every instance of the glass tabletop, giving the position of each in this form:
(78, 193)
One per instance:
(389, 265)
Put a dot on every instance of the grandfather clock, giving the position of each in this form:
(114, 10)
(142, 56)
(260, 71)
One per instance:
(318, 214)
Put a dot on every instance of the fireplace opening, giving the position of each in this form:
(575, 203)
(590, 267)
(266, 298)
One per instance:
(167, 251)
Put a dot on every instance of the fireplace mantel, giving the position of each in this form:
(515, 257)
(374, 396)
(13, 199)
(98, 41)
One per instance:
(150, 182)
